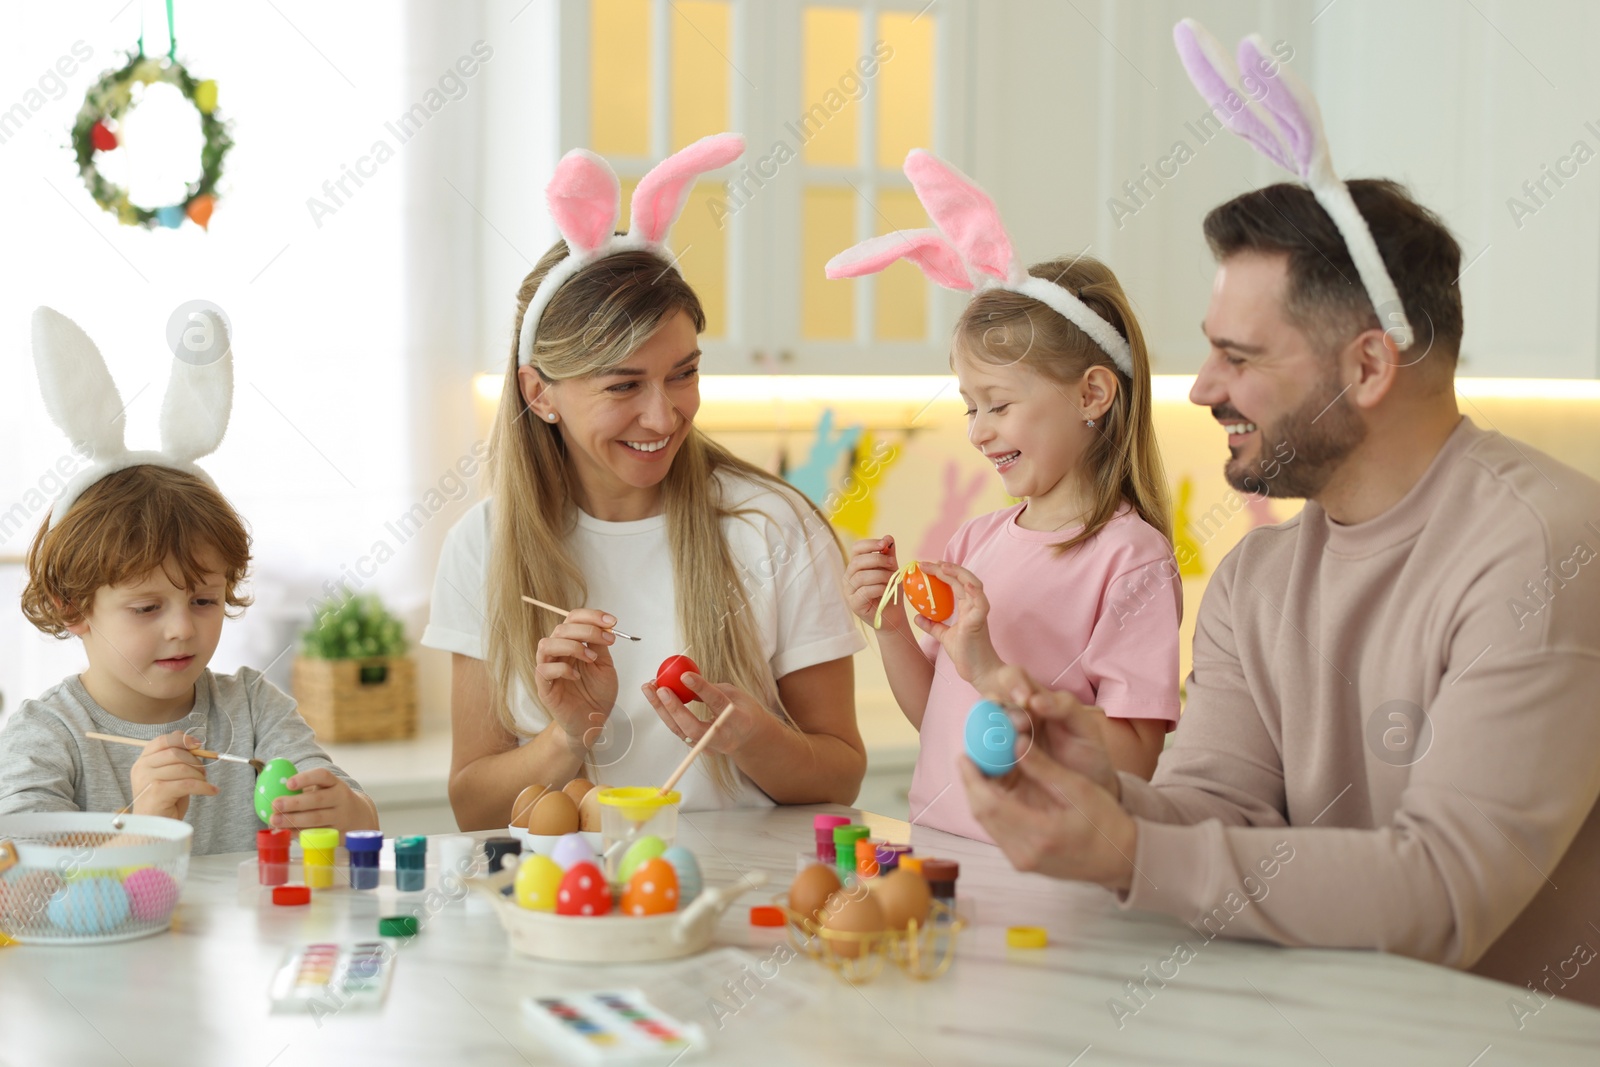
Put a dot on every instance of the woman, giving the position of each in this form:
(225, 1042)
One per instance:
(608, 500)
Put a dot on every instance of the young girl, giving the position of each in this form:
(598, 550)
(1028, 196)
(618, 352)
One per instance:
(608, 500)
(1077, 584)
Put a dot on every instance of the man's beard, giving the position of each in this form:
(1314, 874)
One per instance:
(1301, 452)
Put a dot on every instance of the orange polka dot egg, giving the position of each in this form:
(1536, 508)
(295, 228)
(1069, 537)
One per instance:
(652, 889)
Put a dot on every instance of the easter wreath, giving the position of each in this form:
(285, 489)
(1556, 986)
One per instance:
(96, 130)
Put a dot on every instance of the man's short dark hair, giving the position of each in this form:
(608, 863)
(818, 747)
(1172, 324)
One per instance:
(1325, 296)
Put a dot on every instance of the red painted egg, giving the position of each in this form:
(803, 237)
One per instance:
(931, 597)
(653, 889)
(583, 891)
(670, 676)
(102, 139)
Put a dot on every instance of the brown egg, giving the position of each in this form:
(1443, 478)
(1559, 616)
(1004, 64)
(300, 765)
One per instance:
(524, 804)
(577, 789)
(852, 911)
(903, 895)
(811, 889)
(589, 811)
(553, 814)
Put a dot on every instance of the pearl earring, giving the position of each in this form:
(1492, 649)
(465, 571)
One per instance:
(551, 416)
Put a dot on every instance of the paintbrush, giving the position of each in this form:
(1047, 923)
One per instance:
(203, 753)
(563, 612)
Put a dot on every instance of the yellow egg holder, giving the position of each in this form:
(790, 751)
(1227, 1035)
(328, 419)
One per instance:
(922, 950)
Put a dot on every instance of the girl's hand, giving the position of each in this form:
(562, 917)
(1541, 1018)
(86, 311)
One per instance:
(742, 722)
(872, 564)
(576, 680)
(965, 635)
(325, 800)
(165, 776)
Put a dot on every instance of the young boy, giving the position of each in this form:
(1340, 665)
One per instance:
(142, 568)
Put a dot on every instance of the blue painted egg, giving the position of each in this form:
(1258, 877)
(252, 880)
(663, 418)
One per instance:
(690, 880)
(991, 738)
(89, 906)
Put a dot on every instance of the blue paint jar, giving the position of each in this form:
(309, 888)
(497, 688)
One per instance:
(411, 863)
(363, 847)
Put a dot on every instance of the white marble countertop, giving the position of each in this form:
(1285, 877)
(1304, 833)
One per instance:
(198, 995)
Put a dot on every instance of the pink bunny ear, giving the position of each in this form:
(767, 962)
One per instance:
(1216, 77)
(926, 248)
(964, 214)
(661, 194)
(1291, 103)
(584, 200)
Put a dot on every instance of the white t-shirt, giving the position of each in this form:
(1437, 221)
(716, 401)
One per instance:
(794, 579)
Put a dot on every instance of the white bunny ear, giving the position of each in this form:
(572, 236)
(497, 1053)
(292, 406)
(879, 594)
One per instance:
(194, 414)
(78, 390)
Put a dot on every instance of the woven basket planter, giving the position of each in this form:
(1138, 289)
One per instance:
(358, 699)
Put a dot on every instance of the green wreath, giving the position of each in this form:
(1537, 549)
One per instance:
(95, 131)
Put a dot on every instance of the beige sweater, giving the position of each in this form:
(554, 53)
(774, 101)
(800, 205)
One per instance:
(1392, 736)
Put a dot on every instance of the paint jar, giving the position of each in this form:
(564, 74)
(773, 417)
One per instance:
(319, 847)
(844, 848)
(498, 849)
(867, 857)
(363, 847)
(941, 876)
(823, 826)
(272, 856)
(411, 863)
(890, 855)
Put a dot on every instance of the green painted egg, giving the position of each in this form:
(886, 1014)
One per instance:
(638, 854)
(270, 786)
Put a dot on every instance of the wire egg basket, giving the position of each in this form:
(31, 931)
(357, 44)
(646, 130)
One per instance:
(923, 950)
(75, 878)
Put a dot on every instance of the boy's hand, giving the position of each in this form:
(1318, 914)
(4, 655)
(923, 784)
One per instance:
(872, 564)
(325, 800)
(965, 635)
(165, 776)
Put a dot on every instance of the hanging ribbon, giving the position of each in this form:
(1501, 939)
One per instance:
(172, 34)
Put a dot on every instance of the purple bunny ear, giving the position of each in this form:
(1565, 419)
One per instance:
(661, 194)
(1292, 105)
(1216, 77)
(928, 249)
(964, 214)
(584, 200)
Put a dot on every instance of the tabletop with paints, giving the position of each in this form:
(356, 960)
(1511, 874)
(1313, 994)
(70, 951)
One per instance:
(441, 983)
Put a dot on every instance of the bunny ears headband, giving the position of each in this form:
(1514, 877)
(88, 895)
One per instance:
(585, 201)
(83, 401)
(969, 250)
(1298, 144)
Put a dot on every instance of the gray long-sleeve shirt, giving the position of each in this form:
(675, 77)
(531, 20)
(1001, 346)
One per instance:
(46, 763)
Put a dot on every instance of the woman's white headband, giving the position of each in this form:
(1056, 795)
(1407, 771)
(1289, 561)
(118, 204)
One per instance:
(585, 200)
(969, 250)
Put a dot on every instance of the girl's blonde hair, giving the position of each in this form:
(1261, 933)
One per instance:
(595, 321)
(1006, 328)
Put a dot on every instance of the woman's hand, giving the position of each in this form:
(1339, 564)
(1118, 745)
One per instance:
(165, 776)
(742, 716)
(325, 800)
(965, 637)
(872, 564)
(576, 680)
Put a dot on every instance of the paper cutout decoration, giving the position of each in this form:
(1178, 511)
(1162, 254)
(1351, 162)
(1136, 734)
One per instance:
(852, 514)
(954, 508)
(1190, 563)
(816, 475)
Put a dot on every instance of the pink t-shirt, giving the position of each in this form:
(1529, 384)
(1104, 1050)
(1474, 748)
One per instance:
(1100, 622)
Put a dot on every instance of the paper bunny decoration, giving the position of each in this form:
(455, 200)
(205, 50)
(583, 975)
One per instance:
(970, 251)
(586, 200)
(1298, 144)
(83, 401)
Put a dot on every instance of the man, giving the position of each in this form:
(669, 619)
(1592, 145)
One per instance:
(1392, 735)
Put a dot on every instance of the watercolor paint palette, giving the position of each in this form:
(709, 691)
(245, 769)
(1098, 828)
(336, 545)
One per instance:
(619, 1027)
(323, 979)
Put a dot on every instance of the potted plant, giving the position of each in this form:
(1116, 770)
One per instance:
(352, 679)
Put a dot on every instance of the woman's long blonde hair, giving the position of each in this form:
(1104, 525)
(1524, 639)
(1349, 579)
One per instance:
(595, 321)
(1006, 328)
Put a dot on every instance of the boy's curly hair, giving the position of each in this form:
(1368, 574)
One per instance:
(125, 526)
